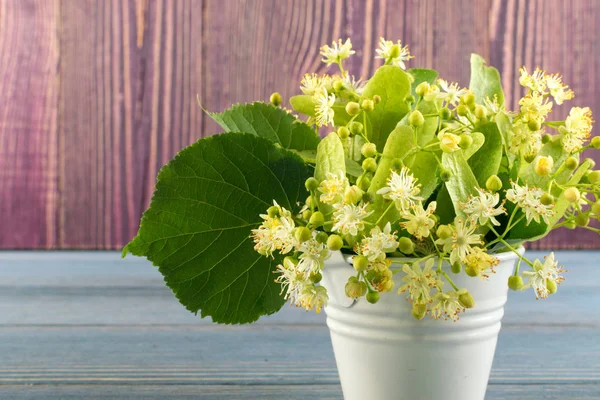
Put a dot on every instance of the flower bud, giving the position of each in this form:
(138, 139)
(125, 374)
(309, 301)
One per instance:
(343, 132)
(275, 99)
(338, 85)
(303, 234)
(493, 183)
(316, 277)
(468, 98)
(466, 299)
(368, 197)
(462, 110)
(317, 219)
(595, 142)
(356, 128)
(360, 263)
(546, 139)
(306, 214)
(465, 141)
(472, 272)
(547, 199)
(368, 105)
(352, 108)
(309, 201)
(570, 225)
(551, 286)
(410, 99)
(449, 142)
(543, 165)
(394, 51)
(456, 268)
(273, 211)
(530, 157)
(445, 113)
(355, 289)
(363, 182)
(369, 165)
(582, 219)
(406, 246)
(534, 125)
(515, 282)
(419, 310)
(596, 208)
(444, 232)
(353, 194)
(373, 297)
(480, 112)
(571, 163)
(321, 237)
(311, 184)
(422, 89)
(445, 174)
(416, 118)
(335, 242)
(369, 150)
(594, 176)
(377, 99)
(572, 194)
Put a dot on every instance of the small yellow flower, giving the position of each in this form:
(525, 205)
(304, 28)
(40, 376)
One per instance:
(338, 51)
(449, 142)
(534, 107)
(324, 107)
(558, 90)
(393, 54)
(480, 262)
(536, 82)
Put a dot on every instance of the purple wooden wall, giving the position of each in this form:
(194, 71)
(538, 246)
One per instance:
(95, 95)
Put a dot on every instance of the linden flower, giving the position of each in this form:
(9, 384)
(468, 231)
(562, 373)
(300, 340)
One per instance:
(275, 233)
(401, 188)
(451, 92)
(380, 242)
(312, 83)
(534, 107)
(292, 282)
(528, 199)
(535, 82)
(577, 129)
(493, 107)
(313, 298)
(323, 107)
(393, 54)
(482, 208)
(480, 262)
(311, 258)
(337, 53)
(418, 223)
(558, 90)
(419, 282)
(459, 244)
(446, 305)
(332, 189)
(543, 275)
(523, 140)
(349, 219)
(432, 93)
(357, 86)
(449, 142)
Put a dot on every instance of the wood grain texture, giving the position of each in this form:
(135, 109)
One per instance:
(97, 95)
(83, 324)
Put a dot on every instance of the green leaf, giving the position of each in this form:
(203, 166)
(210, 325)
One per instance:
(486, 161)
(428, 130)
(478, 141)
(421, 75)
(392, 84)
(269, 122)
(462, 182)
(330, 159)
(485, 80)
(352, 167)
(197, 228)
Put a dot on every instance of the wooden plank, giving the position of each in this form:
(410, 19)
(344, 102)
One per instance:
(29, 58)
(130, 74)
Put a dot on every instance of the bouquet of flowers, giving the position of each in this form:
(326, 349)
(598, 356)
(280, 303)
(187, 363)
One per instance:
(413, 172)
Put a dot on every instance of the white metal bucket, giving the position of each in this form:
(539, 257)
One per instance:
(382, 352)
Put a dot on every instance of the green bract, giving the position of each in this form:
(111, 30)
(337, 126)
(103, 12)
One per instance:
(409, 165)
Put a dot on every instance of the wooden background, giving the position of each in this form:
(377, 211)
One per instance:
(95, 95)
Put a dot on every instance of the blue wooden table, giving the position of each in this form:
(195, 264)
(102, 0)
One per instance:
(90, 325)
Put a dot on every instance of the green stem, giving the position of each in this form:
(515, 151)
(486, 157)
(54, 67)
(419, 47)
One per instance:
(445, 274)
(385, 212)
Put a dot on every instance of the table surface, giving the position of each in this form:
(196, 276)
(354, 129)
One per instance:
(90, 325)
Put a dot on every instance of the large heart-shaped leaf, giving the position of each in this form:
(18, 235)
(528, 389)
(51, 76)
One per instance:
(392, 84)
(486, 160)
(485, 81)
(462, 182)
(269, 122)
(197, 228)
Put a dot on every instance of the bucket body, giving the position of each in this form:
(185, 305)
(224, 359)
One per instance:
(382, 352)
